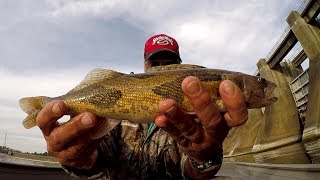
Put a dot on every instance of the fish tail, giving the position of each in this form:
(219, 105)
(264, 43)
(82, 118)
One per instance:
(32, 106)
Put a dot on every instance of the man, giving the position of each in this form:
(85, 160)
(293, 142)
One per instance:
(175, 147)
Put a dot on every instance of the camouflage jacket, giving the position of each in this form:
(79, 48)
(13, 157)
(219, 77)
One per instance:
(130, 151)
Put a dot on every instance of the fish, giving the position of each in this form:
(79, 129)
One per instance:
(118, 96)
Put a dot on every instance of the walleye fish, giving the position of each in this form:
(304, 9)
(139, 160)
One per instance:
(135, 97)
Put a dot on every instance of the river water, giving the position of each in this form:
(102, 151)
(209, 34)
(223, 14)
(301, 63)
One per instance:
(4, 158)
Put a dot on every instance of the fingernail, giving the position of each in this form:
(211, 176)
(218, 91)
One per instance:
(193, 88)
(170, 113)
(228, 88)
(86, 120)
(56, 109)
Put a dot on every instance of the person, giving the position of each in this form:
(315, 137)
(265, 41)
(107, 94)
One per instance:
(175, 146)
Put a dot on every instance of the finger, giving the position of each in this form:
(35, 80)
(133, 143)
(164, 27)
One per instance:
(202, 104)
(84, 160)
(172, 130)
(48, 116)
(165, 123)
(234, 101)
(76, 147)
(182, 122)
(77, 126)
(162, 121)
(92, 160)
(88, 157)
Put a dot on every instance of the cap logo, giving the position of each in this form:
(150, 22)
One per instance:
(162, 40)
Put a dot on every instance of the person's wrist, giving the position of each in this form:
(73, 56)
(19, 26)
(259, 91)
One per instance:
(192, 172)
(214, 160)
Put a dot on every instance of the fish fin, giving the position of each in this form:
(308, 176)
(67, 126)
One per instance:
(95, 76)
(190, 112)
(32, 106)
(105, 126)
(30, 121)
(193, 115)
(174, 67)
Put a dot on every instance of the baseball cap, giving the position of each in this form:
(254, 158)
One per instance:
(160, 42)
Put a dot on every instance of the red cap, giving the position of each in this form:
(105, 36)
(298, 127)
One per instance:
(160, 42)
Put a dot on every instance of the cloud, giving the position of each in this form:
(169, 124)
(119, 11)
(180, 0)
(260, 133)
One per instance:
(81, 31)
(221, 31)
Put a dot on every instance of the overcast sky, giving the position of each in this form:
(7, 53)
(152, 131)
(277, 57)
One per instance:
(48, 46)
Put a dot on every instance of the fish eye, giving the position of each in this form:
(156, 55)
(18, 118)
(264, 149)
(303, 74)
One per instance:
(262, 80)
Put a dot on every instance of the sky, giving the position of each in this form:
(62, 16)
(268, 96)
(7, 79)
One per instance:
(47, 47)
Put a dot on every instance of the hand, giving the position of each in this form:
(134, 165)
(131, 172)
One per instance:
(200, 140)
(70, 142)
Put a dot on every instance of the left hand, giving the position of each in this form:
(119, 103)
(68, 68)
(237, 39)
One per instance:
(200, 140)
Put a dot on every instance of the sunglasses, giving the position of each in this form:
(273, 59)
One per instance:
(163, 62)
(164, 58)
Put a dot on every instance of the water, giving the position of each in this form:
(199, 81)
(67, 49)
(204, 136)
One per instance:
(4, 158)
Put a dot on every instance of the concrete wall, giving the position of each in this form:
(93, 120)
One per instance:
(270, 127)
(309, 38)
(279, 125)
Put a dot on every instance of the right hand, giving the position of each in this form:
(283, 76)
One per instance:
(70, 142)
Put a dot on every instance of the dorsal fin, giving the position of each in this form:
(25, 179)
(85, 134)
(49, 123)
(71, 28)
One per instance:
(95, 76)
(174, 67)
